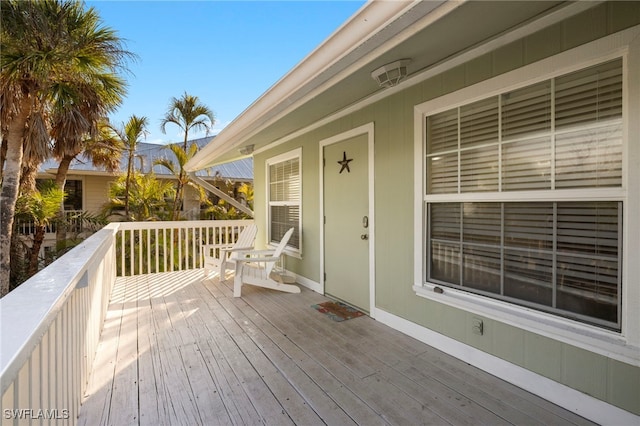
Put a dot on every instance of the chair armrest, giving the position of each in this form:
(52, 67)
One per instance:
(216, 245)
(256, 259)
(252, 252)
(236, 249)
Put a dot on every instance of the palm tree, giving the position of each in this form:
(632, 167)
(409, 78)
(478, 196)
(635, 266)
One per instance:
(129, 135)
(182, 158)
(247, 190)
(52, 52)
(187, 113)
(146, 197)
(41, 208)
(103, 151)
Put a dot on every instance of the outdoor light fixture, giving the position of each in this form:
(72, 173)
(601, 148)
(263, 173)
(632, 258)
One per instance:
(246, 150)
(389, 75)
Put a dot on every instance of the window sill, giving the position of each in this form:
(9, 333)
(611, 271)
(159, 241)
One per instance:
(293, 253)
(603, 342)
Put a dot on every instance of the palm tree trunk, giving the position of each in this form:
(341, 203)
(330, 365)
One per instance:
(61, 180)
(127, 183)
(177, 201)
(3, 155)
(28, 178)
(9, 193)
(18, 262)
(38, 239)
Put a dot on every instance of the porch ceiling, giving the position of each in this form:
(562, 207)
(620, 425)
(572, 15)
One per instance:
(428, 33)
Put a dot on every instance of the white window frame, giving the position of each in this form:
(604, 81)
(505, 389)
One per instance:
(624, 345)
(290, 155)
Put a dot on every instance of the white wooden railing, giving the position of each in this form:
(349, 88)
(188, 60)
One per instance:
(74, 224)
(148, 247)
(51, 324)
(50, 330)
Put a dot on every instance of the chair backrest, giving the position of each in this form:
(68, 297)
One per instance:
(247, 237)
(279, 249)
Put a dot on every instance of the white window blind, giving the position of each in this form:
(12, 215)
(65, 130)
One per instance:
(285, 195)
(556, 256)
(553, 255)
(562, 133)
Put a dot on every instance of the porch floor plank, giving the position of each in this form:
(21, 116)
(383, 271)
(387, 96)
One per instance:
(177, 348)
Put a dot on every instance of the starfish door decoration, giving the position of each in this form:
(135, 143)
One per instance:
(345, 163)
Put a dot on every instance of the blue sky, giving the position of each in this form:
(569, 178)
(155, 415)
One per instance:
(225, 52)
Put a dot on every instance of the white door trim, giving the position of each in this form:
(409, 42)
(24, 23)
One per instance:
(366, 129)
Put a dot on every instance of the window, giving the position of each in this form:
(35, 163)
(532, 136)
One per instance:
(284, 180)
(524, 199)
(73, 193)
(73, 200)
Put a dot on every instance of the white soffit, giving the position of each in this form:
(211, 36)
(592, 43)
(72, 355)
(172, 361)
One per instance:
(377, 32)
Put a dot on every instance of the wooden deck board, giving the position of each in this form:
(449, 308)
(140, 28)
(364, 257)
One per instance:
(179, 349)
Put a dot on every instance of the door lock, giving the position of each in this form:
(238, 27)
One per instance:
(364, 237)
(365, 221)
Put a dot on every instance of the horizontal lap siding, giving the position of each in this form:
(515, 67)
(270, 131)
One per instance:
(612, 381)
(96, 192)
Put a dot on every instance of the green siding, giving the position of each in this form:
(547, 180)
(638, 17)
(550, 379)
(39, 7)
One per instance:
(624, 381)
(612, 381)
(543, 44)
(585, 27)
(544, 356)
(577, 362)
(509, 342)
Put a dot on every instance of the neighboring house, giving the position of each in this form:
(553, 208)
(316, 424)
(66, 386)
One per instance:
(488, 203)
(87, 187)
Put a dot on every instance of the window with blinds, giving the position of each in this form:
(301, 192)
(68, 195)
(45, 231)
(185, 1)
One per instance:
(285, 197)
(554, 255)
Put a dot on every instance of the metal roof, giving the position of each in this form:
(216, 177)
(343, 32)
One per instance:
(148, 153)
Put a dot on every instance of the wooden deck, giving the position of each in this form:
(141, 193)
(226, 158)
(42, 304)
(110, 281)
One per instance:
(179, 350)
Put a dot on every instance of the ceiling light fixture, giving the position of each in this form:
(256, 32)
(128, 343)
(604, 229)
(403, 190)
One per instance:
(391, 74)
(246, 150)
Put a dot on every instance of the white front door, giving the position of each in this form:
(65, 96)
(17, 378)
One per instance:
(346, 221)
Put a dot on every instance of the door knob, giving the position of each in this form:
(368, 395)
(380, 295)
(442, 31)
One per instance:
(364, 237)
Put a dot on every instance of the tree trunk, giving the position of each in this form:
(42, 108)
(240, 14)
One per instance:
(127, 183)
(3, 155)
(179, 197)
(18, 262)
(9, 193)
(28, 178)
(179, 190)
(38, 239)
(61, 180)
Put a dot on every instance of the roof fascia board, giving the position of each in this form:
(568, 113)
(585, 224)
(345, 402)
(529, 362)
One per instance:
(369, 19)
(73, 172)
(472, 53)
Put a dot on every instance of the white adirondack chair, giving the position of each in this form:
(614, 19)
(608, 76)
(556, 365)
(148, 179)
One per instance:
(220, 256)
(254, 267)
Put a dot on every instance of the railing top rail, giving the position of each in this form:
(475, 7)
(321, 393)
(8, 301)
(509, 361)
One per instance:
(180, 224)
(27, 311)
